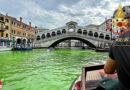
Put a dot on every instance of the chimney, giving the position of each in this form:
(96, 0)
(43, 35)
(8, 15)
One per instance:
(30, 25)
(21, 19)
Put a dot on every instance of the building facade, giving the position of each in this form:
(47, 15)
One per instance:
(15, 31)
(5, 30)
(21, 32)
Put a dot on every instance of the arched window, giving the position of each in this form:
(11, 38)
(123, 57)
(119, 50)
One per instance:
(53, 34)
(63, 31)
(85, 32)
(58, 32)
(6, 34)
(48, 35)
(38, 37)
(43, 36)
(28, 41)
(24, 41)
(107, 37)
(101, 36)
(95, 34)
(79, 31)
(18, 41)
(14, 31)
(90, 33)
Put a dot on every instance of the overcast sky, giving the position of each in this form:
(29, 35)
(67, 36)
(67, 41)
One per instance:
(55, 13)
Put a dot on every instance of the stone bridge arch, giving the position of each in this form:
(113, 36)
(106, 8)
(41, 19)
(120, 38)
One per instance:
(74, 38)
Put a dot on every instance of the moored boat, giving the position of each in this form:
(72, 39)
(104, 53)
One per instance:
(5, 49)
(19, 49)
(101, 50)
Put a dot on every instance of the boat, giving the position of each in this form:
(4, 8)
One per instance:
(91, 77)
(5, 49)
(19, 49)
(101, 50)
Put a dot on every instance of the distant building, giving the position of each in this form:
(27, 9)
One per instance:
(70, 43)
(102, 26)
(65, 43)
(93, 26)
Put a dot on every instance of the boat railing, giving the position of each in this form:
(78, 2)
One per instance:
(85, 69)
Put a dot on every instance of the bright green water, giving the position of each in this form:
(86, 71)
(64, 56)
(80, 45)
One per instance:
(42, 70)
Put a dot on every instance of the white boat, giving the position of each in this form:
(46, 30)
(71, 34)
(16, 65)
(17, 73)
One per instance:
(3, 48)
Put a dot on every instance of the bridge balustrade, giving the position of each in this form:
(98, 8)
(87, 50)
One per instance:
(79, 32)
(76, 35)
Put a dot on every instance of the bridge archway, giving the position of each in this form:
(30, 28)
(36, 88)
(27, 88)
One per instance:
(58, 32)
(101, 36)
(75, 38)
(95, 34)
(43, 36)
(85, 32)
(38, 38)
(90, 33)
(79, 31)
(63, 31)
(48, 35)
(107, 37)
(53, 34)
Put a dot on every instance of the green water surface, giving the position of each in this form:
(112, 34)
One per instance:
(42, 70)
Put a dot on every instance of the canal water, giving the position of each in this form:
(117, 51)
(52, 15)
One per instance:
(42, 70)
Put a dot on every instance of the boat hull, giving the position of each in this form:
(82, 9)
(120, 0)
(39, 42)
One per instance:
(102, 50)
(78, 79)
(19, 49)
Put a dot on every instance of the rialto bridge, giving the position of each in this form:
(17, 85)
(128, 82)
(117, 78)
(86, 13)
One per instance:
(91, 37)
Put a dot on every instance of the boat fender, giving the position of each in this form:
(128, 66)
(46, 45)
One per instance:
(77, 86)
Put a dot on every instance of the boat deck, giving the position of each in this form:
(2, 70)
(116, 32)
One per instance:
(93, 75)
(92, 80)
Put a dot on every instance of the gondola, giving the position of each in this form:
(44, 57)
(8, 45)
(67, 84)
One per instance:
(90, 78)
(101, 50)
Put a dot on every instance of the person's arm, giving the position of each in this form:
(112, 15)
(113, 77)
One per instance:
(110, 66)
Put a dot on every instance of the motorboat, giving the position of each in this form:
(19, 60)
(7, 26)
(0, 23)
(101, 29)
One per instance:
(91, 77)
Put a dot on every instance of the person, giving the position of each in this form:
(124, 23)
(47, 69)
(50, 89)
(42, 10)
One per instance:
(119, 60)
